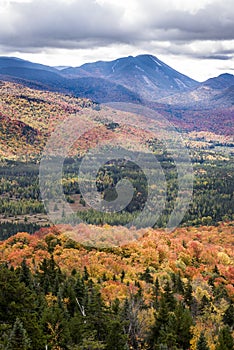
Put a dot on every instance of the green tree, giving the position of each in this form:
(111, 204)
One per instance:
(202, 343)
(116, 339)
(146, 276)
(169, 297)
(188, 294)
(25, 274)
(225, 340)
(163, 330)
(183, 325)
(18, 339)
(156, 292)
(90, 343)
(228, 318)
(55, 325)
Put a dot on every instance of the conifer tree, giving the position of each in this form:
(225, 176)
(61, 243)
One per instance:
(25, 274)
(202, 343)
(18, 339)
(225, 340)
(146, 276)
(182, 326)
(228, 318)
(169, 297)
(157, 289)
(116, 339)
(188, 294)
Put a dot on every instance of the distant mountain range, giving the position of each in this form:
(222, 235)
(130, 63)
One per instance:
(145, 75)
(140, 79)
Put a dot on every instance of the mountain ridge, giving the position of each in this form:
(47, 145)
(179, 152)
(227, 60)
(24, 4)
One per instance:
(139, 79)
(143, 79)
(145, 75)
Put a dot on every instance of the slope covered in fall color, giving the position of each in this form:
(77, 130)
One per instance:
(188, 274)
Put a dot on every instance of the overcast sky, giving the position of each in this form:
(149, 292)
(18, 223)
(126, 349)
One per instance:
(195, 37)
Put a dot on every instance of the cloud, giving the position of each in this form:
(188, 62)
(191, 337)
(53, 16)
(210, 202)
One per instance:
(61, 24)
(175, 26)
(218, 57)
(215, 21)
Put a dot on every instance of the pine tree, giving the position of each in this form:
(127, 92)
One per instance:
(146, 276)
(228, 318)
(225, 340)
(86, 274)
(18, 339)
(163, 331)
(122, 276)
(188, 294)
(56, 327)
(157, 290)
(116, 339)
(183, 325)
(169, 297)
(90, 343)
(96, 319)
(25, 274)
(202, 343)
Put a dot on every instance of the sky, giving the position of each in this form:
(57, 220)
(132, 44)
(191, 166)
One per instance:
(195, 37)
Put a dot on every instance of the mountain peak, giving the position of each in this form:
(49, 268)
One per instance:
(223, 81)
(144, 74)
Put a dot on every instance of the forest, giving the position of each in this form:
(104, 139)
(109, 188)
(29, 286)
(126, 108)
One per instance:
(90, 282)
(171, 292)
(20, 202)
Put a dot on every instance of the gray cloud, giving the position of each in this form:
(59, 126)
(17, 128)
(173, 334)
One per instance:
(61, 24)
(218, 57)
(39, 25)
(213, 22)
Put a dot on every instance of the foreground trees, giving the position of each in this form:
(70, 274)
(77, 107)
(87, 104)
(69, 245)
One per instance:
(49, 310)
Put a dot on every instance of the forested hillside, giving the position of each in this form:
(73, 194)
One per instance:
(100, 285)
(162, 291)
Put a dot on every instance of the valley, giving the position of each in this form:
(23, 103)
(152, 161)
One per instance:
(78, 276)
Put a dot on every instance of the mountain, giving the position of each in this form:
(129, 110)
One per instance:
(49, 78)
(145, 75)
(28, 116)
(143, 79)
(8, 63)
(61, 67)
(213, 93)
(223, 81)
(226, 95)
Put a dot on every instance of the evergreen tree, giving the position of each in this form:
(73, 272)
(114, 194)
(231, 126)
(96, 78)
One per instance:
(96, 315)
(163, 330)
(55, 324)
(86, 274)
(25, 274)
(205, 303)
(179, 284)
(116, 339)
(157, 290)
(122, 276)
(183, 325)
(202, 343)
(76, 328)
(228, 318)
(225, 340)
(146, 276)
(169, 297)
(18, 339)
(90, 343)
(188, 294)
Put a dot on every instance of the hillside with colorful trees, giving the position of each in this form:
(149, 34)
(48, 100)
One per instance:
(159, 291)
(100, 285)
